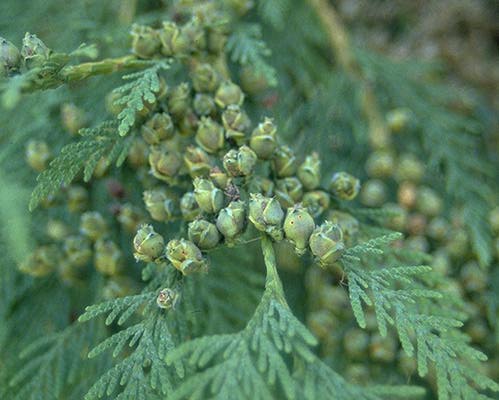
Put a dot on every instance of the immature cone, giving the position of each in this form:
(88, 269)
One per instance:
(179, 100)
(93, 225)
(253, 82)
(284, 162)
(236, 122)
(148, 244)
(397, 221)
(108, 257)
(172, 41)
(383, 349)
(158, 128)
(205, 78)
(263, 139)
(316, 202)
(219, 178)
(10, 58)
(262, 185)
(217, 38)
(145, 41)
(130, 217)
(37, 154)
(409, 168)
(398, 119)
(34, 52)
(267, 215)
(185, 256)
(210, 135)
(373, 193)
(234, 118)
(57, 230)
(197, 161)
(41, 262)
(298, 226)
(203, 234)
(288, 191)
(195, 34)
(227, 94)
(231, 219)
(167, 298)
(159, 204)
(356, 342)
(438, 229)
(203, 104)
(164, 164)
(326, 243)
(77, 198)
(344, 186)
(380, 164)
(209, 198)
(348, 224)
(240, 162)
(77, 250)
(189, 207)
(138, 153)
(428, 202)
(406, 195)
(73, 118)
(188, 123)
(309, 172)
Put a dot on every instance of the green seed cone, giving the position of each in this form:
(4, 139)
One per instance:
(148, 244)
(77, 250)
(108, 257)
(284, 162)
(197, 161)
(227, 94)
(158, 128)
(93, 225)
(231, 219)
(326, 243)
(209, 198)
(309, 172)
(298, 226)
(210, 135)
(263, 139)
(185, 256)
(267, 215)
(145, 41)
(203, 234)
(344, 186)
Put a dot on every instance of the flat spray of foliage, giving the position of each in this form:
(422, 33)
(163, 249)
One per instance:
(235, 332)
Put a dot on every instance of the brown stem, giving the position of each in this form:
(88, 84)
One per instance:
(339, 41)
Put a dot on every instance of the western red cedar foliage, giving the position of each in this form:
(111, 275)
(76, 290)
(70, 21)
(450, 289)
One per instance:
(233, 200)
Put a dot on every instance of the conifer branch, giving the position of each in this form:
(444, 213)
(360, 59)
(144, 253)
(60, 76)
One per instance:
(339, 41)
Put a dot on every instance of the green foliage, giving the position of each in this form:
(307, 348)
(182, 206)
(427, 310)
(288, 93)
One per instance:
(134, 95)
(274, 12)
(48, 76)
(247, 48)
(103, 141)
(254, 363)
(225, 339)
(51, 363)
(447, 137)
(142, 374)
(434, 338)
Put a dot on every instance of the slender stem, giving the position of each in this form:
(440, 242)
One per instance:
(273, 282)
(107, 66)
(338, 39)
